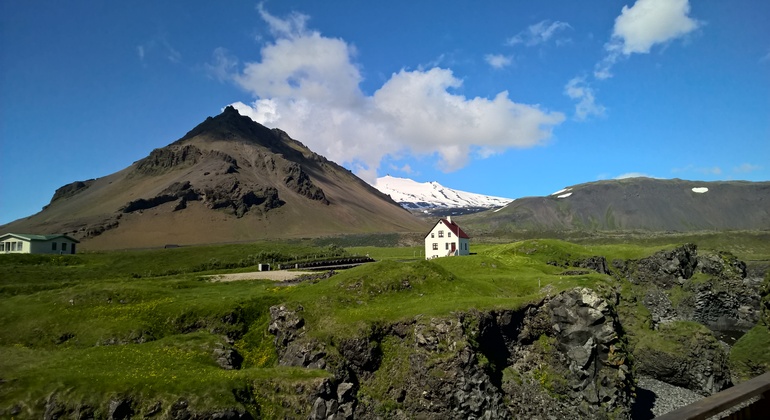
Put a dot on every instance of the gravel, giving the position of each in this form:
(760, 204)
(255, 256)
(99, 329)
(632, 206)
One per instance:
(655, 398)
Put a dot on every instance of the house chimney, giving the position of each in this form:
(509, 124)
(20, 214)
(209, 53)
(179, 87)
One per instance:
(449, 219)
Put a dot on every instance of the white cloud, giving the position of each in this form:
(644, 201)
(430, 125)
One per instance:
(159, 44)
(498, 61)
(643, 25)
(650, 22)
(539, 33)
(222, 66)
(705, 170)
(747, 167)
(634, 175)
(586, 106)
(308, 85)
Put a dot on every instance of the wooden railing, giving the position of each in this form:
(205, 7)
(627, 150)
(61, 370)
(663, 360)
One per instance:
(728, 399)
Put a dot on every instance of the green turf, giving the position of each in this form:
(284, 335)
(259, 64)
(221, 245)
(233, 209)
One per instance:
(146, 323)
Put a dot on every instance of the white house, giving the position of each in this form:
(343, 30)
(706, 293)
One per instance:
(445, 239)
(20, 243)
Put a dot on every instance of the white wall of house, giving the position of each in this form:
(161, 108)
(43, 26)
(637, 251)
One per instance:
(441, 242)
(55, 246)
(14, 245)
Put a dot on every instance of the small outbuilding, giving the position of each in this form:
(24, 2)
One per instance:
(446, 239)
(22, 243)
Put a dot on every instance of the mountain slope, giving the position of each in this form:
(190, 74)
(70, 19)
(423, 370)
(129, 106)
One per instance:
(429, 195)
(637, 203)
(228, 179)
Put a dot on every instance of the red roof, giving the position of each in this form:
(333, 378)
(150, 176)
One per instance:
(453, 227)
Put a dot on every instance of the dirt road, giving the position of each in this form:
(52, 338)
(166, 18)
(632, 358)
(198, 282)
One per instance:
(277, 275)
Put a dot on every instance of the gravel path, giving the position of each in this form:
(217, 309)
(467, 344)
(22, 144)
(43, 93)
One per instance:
(655, 398)
(277, 275)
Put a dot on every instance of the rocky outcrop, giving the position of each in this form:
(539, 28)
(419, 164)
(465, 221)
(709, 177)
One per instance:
(563, 356)
(715, 289)
(698, 362)
(663, 269)
(596, 263)
(70, 189)
(228, 194)
(164, 159)
(298, 181)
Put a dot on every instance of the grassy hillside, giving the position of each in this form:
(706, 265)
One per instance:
(146, 325)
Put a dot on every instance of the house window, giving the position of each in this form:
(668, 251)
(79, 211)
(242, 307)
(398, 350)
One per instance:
(2, 246)
(53, 246)
(441, 234)
(19, 246)
(63, 246)
(13, 246)
(449, 234)
(435, 246)
(432, 235)
(447, 246)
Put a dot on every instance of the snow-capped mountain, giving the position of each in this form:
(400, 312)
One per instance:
(415, 195)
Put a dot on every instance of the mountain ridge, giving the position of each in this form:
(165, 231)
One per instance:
(637, 203)
(229, 179)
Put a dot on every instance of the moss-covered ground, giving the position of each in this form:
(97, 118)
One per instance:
(145, 324)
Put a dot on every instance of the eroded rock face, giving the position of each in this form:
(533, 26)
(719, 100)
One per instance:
(70, 189)
(565, 356)
(166, 158)
(665, 268)
(701, 364)
(227, 193)
(296, 179)
(716, 291)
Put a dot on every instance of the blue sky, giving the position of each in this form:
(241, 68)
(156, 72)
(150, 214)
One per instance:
(511, 98)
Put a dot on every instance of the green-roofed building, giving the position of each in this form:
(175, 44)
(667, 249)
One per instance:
(22, 243)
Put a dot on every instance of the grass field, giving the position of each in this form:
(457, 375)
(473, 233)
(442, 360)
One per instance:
(146, 324)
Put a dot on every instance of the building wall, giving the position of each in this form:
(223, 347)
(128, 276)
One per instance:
(11, 246)
(46, 247)
(38, 247)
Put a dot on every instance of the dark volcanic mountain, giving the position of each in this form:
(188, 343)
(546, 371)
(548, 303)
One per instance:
(637, 204)
(229, 179)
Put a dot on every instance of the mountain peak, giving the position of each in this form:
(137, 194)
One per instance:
(231, 125)
(429, 195)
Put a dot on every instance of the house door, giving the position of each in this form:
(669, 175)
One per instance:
(453, 248)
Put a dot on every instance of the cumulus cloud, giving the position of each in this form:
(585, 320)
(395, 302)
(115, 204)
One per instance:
(498, 61)
(643, 25)
(309, 86)
(586, 106)
(539, 33)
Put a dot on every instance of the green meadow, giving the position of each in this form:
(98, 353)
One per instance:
(146, 324)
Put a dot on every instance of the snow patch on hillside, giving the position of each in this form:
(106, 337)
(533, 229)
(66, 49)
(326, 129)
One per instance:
(424, 195)
(564, 195)
(700, 190)
(562, 191)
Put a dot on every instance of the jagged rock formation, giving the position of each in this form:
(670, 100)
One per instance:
(681, 286)
(228, 179)
(717, 292)
(563, 356)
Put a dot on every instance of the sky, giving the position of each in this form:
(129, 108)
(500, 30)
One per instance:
(505, 98)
